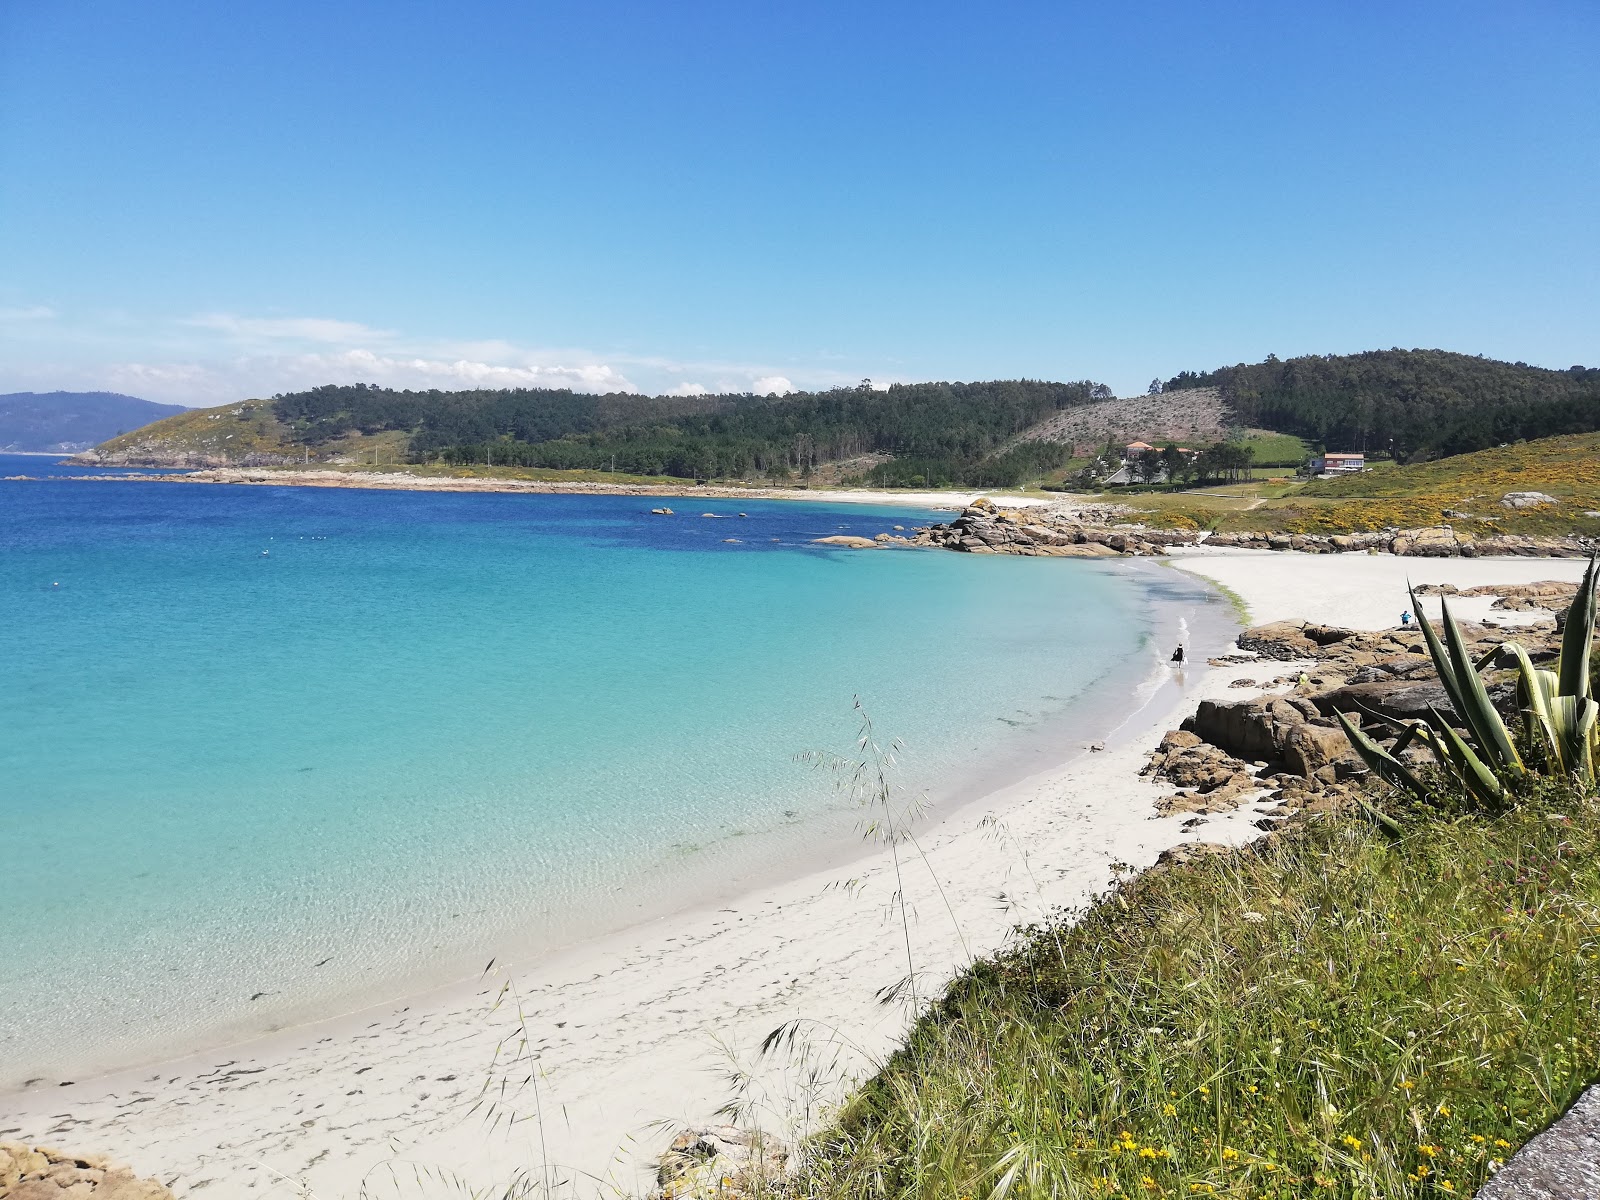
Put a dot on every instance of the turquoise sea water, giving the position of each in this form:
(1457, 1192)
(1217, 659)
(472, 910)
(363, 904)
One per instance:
(268, 752)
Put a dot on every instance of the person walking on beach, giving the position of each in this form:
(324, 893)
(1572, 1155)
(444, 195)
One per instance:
(1177, 655)
(1405, 619)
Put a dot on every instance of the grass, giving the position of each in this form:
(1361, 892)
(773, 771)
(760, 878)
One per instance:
(1463, 491)
(1339, 1014)
(1277, 449)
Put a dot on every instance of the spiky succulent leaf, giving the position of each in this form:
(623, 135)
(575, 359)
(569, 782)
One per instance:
(1578, 637)
(1475, 708)
(1436, 651)
(1572, 731)
(1382, 764)
(1452, 751)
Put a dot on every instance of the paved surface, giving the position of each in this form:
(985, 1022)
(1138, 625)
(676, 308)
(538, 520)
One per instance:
(1562, 1163)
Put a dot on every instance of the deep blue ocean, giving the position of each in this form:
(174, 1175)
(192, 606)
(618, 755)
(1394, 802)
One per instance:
(268, 752)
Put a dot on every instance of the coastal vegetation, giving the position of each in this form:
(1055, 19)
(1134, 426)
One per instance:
(1485, 762)
(1386, 1001)
(1465, 491)
(926, 434)
(1339, 1012)
(1405, 403)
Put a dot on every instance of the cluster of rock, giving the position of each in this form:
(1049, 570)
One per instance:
(1553, 594)
(163, 455)
(1436, 541)
(984, 528)
(1290, 744)
(36, 1173)
(721, 1162)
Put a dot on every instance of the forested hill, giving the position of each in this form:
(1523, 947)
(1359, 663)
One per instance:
(909, 434)
(1417, 403)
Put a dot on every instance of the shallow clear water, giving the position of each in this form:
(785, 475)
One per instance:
(264, 751)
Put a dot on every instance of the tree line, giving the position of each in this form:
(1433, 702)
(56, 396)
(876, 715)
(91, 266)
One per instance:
(931, 433)
(1412, 404)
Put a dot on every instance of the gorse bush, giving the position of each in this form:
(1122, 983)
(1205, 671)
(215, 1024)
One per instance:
(1338, 1013)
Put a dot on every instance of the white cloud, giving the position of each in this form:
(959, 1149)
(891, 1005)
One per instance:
(211, 358)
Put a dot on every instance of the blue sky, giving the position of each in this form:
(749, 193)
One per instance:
(204, 201)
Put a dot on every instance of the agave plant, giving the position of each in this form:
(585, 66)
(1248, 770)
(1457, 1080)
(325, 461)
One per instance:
(1557, 705)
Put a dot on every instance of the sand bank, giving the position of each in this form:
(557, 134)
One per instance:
(585, 1060)
(408, 482)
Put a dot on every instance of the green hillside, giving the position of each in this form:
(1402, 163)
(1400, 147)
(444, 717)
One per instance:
(1408, 403)
(1465, 491)
(1416, 404)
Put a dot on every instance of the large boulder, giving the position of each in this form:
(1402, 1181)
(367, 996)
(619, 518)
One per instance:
(1397, 698)
(38, 1173)
(1438, 541)
(1292, 730)
(1307, 748)
(1526, 500)
(1290, 640)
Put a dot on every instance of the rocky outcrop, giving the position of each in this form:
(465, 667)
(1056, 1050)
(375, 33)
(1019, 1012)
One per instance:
(1434, 541)
(1552, 594)
(1286, 730)
(1526, 500)
(37, 1173)
(983, 528)
(1209, 780)
(1291, 745)
(720, 1162)
(1399, 699)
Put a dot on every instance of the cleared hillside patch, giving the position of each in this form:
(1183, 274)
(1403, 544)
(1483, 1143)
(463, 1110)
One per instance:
(1194, 416)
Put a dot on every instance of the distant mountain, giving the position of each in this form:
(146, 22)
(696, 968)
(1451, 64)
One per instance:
(66, 422)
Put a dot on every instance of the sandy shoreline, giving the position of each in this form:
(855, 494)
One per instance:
(616, 1040)
(406, 481)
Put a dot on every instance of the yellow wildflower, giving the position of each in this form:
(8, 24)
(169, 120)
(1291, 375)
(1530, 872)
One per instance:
(1430, 1151)
(1353, 1142)
(1447, 1185)
(1444, 1110)
(1229, 1154)
(1168, 1110)
(1478, 1138)
(1147, 1152)
(1407, 1084)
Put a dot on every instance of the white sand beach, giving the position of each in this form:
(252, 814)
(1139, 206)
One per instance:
(408, 481)
(582, 1064)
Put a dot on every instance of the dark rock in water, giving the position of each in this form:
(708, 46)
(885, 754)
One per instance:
(1562, 1163)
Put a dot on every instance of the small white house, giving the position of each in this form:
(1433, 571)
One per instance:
(1339, 464)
